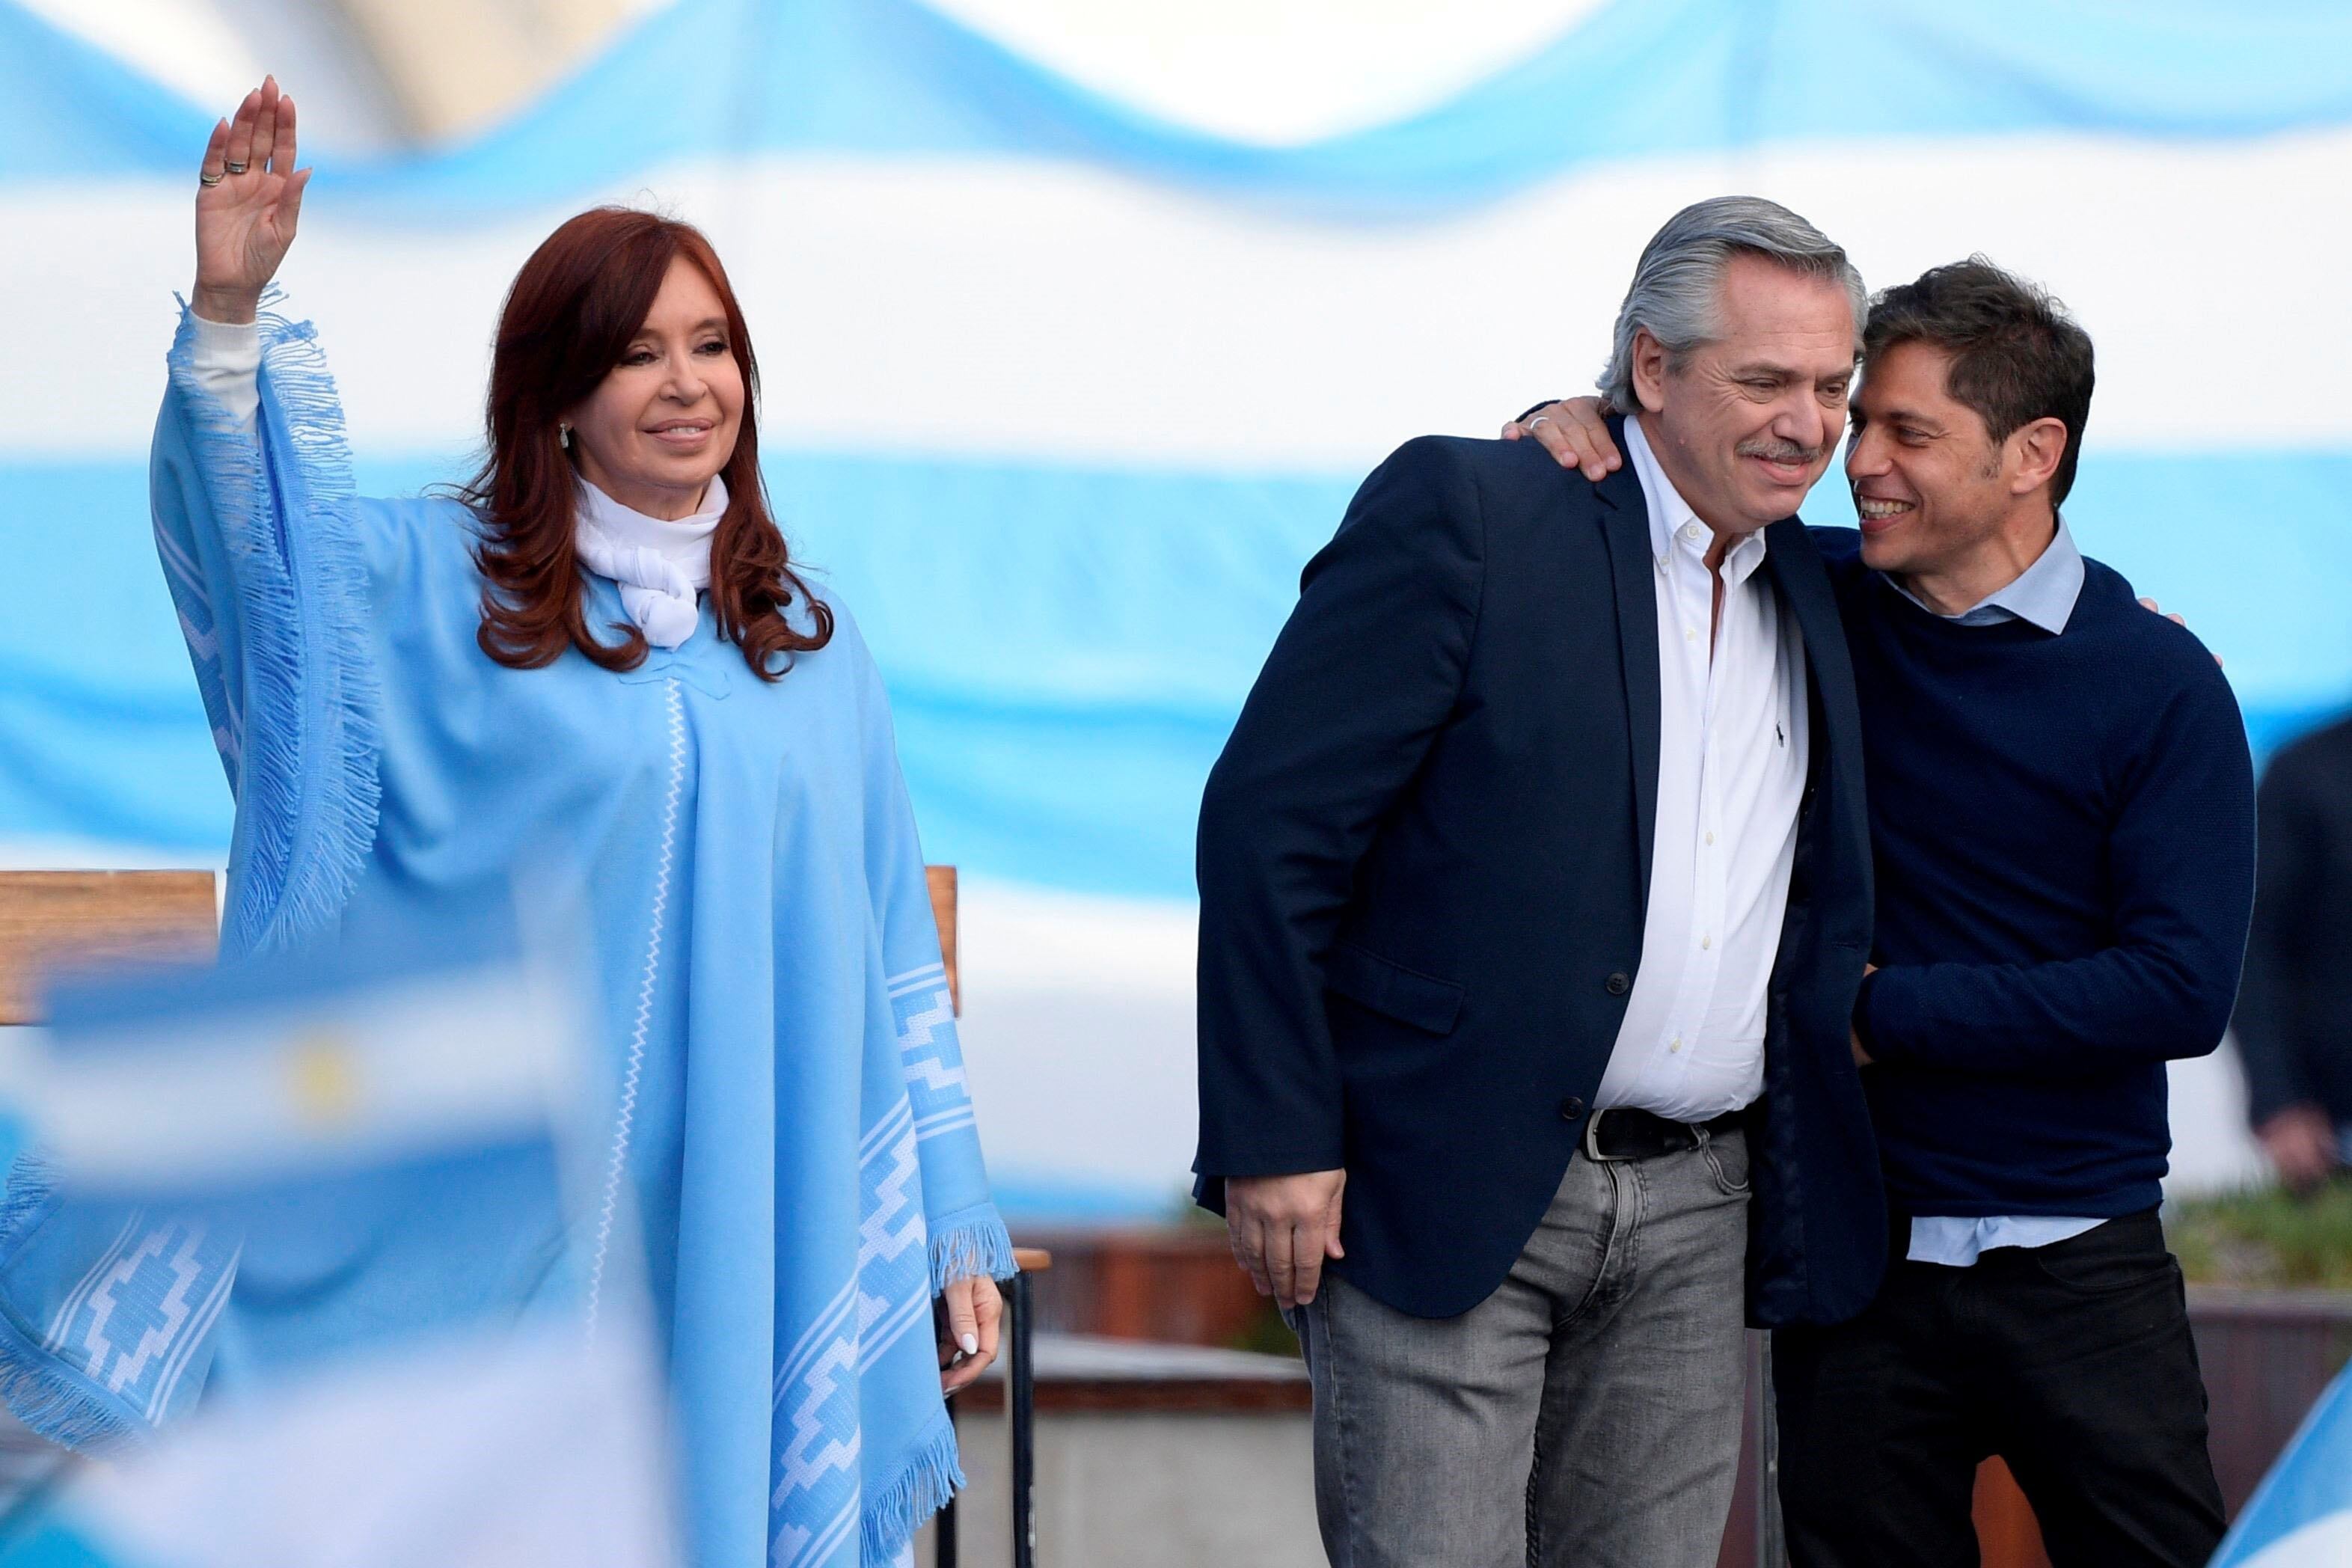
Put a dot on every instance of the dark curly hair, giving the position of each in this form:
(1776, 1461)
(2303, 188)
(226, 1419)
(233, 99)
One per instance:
(2017, 356)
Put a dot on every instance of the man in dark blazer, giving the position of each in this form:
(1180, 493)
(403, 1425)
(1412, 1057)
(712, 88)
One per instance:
(1534, 895)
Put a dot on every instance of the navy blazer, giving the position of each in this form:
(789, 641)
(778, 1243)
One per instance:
(1423, 863)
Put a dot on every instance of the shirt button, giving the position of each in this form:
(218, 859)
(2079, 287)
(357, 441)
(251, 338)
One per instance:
(1675, 1045)
(1570, 1109)
(1710, 838)
(1692, 532)
(1689, 635)
(1705, 944)
(1619, 983)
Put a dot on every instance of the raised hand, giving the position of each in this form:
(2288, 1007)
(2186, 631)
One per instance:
(249, 198)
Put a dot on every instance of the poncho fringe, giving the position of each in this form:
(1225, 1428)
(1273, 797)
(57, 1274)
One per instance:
(893, 1515)
(53, 1400)
(307, 776)
(968, 1245)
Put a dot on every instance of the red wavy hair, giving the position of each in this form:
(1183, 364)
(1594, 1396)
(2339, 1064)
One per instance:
(572, 312)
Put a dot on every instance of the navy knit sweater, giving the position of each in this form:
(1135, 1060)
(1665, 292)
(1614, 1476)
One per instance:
(2064, 831)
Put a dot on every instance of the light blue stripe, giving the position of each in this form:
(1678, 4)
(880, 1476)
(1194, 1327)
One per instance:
(2310, 1481)
(1067, 645)
(1635, 78)
(54, 1543)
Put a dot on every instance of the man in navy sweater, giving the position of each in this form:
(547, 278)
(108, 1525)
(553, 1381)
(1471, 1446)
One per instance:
(2062, 817)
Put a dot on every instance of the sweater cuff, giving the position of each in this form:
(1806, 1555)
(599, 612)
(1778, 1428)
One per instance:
(225, 361)
(227, 344)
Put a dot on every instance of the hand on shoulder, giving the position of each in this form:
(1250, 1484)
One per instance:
(1575, 432)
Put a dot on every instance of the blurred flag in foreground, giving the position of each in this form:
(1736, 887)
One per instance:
(329, 1197)
(2301, 1516)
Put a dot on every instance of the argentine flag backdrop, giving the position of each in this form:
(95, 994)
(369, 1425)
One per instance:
(1061, 392)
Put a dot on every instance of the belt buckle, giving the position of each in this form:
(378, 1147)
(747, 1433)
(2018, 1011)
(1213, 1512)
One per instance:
(1592, 1141)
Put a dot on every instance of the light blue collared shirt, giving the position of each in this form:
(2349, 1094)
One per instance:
(2043, 594)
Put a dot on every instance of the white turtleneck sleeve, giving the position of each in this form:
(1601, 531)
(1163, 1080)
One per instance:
(226, 360)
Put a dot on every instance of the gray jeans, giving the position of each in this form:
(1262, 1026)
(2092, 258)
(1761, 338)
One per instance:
(1585, 1416)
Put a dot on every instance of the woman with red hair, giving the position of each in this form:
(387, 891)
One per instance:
(598, 657)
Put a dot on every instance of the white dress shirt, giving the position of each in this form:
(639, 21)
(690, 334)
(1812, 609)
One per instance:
(1731, 776)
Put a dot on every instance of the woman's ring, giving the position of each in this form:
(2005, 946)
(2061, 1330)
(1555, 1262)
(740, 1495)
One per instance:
(1539, 419)
(236, 168)
(207, 180)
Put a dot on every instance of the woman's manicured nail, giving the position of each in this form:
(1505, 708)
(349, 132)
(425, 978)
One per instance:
(970, 1343)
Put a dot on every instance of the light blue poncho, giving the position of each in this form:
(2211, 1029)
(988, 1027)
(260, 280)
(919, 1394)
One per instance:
(788, 1110)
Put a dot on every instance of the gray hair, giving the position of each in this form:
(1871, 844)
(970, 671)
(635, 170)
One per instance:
(1677, 284)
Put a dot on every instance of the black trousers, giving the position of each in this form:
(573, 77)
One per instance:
(2072, 1362)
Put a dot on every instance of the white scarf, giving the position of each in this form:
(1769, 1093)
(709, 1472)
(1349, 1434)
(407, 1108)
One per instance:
(658, 565)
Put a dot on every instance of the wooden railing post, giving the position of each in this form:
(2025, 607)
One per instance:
(79, 920)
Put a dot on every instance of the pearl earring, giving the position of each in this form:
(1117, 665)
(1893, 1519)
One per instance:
(563, 436)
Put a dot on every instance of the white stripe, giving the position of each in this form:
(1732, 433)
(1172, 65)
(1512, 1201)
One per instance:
(192, 1335)
(204, 647)
(626, 1117)
(1246, 316)
(815, 1337)
(63, 1322)
(235, 1095)
(1277, 73)
(817, 1548)
(191, 578)
(890, 1331)
(894, 1121)
(915, 978)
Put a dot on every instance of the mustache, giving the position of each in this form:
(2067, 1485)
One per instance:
(1773, 451)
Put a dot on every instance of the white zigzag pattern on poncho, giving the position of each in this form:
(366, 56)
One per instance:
(893, 1263)
(924, 1009)
(819, 1384)
(816, 1390)
(134, 1323)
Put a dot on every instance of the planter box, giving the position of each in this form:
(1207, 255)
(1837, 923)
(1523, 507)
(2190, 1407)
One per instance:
(2266, 1356)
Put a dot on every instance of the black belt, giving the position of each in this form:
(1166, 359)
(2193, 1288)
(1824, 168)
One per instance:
(1623, 1132)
